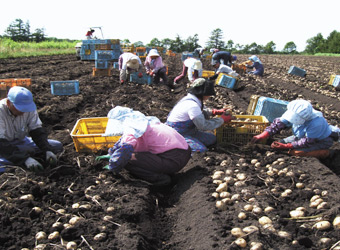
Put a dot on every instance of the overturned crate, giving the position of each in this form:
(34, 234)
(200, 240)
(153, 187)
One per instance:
(241, 130)
(88, 135)
(69, 87)
(293, 70)
(227, 81)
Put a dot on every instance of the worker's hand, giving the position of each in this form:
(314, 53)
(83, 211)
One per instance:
(227, 118)
(140, 74)
(260, 137)
(121, 81)
(51, 159)
(33, 164)
(281, 146)
(103, 157)
(218, 111)
(107, 167)
(151, 73)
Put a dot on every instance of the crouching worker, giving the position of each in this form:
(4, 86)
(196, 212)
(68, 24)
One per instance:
(256, 65)
(192, 120)
(221, 68)
(313, 136)
(148, 149)
(21, 133)
(154, 67)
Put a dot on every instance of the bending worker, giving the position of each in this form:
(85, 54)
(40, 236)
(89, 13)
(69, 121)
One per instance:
(129, 63)
(192, 67)
(188, 116)
(223, 57)
(148, 149)
(313, 136)
(21, 133)
(221, 68)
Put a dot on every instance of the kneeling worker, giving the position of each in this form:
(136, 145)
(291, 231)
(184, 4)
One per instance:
(21, 133)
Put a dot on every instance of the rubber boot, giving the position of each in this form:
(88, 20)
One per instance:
(320, 154)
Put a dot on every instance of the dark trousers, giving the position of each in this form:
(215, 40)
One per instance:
(161, 74)
(153, 167)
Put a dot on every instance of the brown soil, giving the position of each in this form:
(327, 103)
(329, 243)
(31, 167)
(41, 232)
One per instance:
(182, 216)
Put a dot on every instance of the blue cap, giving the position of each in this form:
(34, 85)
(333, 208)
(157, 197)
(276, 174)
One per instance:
(22, 99)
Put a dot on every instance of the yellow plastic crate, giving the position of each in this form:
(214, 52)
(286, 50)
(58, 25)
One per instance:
(88, 135)
(207, 73)
(241, 130)
(331, 80)
(252, 104)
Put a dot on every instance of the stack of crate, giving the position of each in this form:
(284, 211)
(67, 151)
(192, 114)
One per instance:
(6, 84)
(89, 48)
(105, 55)
(141, 52)
(128, 47)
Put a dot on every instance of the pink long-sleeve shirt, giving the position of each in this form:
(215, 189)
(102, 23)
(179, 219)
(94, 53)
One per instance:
(153, 64)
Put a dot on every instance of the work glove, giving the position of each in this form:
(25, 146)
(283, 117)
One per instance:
(103, 157)
(33, 164)
(140, 75)
(281, 146)
(107, 167)
(227, 118)
(257, 138)
(218, 111)
(51, 159)
(122, 81)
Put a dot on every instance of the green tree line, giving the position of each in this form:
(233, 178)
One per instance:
(19, 31)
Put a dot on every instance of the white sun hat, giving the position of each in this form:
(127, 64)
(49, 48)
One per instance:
(133, 63)
(153, 52)
(298, 112)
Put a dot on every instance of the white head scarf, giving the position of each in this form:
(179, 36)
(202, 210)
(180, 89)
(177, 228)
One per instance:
(300, 111)
(123, 120)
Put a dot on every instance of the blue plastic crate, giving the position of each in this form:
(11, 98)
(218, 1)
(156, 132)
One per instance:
(102, 64)
(270, 108)
(186, 55)
(116, 65)
(145, 79)
(336, 82)
(226, 81)
(70, 87)
(104, 55)
(293, 70)
(116, 53)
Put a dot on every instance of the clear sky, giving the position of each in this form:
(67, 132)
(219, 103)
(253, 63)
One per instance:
(242, 21)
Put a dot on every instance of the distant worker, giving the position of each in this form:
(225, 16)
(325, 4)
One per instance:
(198, 52)
(224, 57)
(312, 135)
(89, 34)
(192, 67)
(256, 65)
(221, 68)
(129, 63)
(154, 67)
(22, 136)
